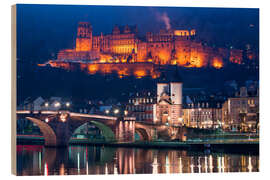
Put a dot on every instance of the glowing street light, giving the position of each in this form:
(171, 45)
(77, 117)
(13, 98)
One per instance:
(46, 104)
(116, 111)
(68, 104)
(126, 112)
(63, 117)
(57, 104)
(107, 111)
(47, 120)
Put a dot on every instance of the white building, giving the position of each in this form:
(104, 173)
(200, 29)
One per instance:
(168, 109)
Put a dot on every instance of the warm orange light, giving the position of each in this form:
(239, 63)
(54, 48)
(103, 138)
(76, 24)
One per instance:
(122, 72)
(92, 68)
(196, 62)
(139, 73)
(174, 62)
(164, 56)
(181, 33)
(217, 63)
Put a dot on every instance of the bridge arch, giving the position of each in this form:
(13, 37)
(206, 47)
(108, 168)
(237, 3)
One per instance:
(47, 131)
(143, 134)
(106, 131)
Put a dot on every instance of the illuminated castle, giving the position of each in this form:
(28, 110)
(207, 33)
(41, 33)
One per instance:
(177, 47)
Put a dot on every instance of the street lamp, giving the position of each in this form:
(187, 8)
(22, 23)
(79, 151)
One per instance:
(68, 104)
(47, 120)
(46, 104)
(107, 111)
(126, 112)
(116, 111)
(57, 104)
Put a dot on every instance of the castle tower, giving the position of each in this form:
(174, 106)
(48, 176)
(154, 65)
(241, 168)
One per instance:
(84, 37)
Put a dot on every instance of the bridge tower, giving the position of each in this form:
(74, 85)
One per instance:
(169, 100)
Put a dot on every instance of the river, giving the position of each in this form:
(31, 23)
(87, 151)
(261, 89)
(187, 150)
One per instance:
(76, 160)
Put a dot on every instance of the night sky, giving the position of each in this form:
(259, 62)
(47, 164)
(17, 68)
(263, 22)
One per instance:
(42, 30)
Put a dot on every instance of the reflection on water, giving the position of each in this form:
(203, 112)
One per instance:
(37, 160)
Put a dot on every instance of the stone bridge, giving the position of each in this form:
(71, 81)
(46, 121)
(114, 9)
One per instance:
(58, 126)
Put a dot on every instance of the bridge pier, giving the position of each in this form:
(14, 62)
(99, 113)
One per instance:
(125, 130)
(63, 134)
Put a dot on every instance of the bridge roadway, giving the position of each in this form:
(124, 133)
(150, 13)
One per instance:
(58, 126)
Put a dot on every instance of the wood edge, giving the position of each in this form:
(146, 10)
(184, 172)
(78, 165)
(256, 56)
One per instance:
(13, 89)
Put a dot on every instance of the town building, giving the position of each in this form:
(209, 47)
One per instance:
(241, 113)
(43, 104)
(141, 106)
(202, 111)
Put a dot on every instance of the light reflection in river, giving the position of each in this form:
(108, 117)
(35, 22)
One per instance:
(37, 160)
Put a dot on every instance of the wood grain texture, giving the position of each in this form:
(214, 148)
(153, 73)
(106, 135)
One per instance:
(13, 88)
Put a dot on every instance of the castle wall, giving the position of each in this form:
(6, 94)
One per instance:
(166, 47)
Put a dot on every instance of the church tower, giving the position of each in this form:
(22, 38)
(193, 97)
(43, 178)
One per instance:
(84, 37)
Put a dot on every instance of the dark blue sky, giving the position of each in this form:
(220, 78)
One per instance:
(44, 29)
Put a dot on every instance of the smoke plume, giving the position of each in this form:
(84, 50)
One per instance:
(164, 18)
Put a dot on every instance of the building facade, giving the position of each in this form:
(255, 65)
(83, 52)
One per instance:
(203, 113)
(123, 45)
(141, 106)
(168, 109)
(241, 113)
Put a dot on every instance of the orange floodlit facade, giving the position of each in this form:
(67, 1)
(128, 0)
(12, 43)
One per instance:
(137, 70)
(123, 46)
(217, 63)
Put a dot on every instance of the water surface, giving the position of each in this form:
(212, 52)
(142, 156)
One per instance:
(76, 160)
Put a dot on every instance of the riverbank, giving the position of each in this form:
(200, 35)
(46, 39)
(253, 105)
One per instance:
(218, 146)
(228, 145)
